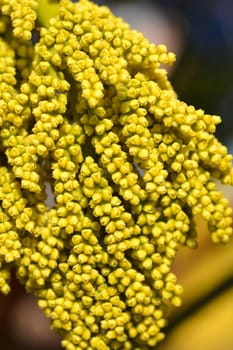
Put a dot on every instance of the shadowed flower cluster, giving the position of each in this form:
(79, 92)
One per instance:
(88, 110)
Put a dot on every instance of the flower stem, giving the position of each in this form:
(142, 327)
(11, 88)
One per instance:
(46, 10)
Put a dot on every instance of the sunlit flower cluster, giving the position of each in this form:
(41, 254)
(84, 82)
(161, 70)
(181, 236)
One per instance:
(87, 114)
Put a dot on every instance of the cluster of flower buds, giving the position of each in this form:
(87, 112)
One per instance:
(87, 111)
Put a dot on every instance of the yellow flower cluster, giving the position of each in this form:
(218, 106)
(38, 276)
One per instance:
(88, 111)
(22, 14)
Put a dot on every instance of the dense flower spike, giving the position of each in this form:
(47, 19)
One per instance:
(23, 16)
(87, 112)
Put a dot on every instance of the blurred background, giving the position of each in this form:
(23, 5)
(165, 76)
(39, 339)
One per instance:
(200, 32)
